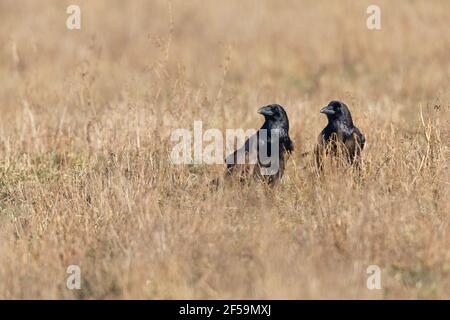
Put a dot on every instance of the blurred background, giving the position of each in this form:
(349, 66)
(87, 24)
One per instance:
(293, 52)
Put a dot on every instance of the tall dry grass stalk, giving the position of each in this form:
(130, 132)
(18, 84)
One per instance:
(84, 142)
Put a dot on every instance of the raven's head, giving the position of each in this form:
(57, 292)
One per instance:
(275, 116)
(337, 110)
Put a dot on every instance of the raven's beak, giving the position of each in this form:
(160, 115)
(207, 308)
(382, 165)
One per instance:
(266, 111)
(327, 110)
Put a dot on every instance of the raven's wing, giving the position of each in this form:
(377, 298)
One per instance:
(288, 145)
(354, 145)
(360, 138)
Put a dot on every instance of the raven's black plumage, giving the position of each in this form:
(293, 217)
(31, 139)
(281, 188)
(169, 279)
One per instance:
(275, 119)
(340, 130)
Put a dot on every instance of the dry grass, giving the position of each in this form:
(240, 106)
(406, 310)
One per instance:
(85, 174)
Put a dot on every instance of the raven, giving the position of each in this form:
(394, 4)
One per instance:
(274, 133)
(339, 131)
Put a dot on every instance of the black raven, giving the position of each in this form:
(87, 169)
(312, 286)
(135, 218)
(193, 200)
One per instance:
(267, 148)
(339, 131)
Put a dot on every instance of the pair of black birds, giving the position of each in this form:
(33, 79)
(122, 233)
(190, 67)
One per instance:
(339, 137)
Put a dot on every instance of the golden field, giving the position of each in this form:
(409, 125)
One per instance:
(86, 118)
